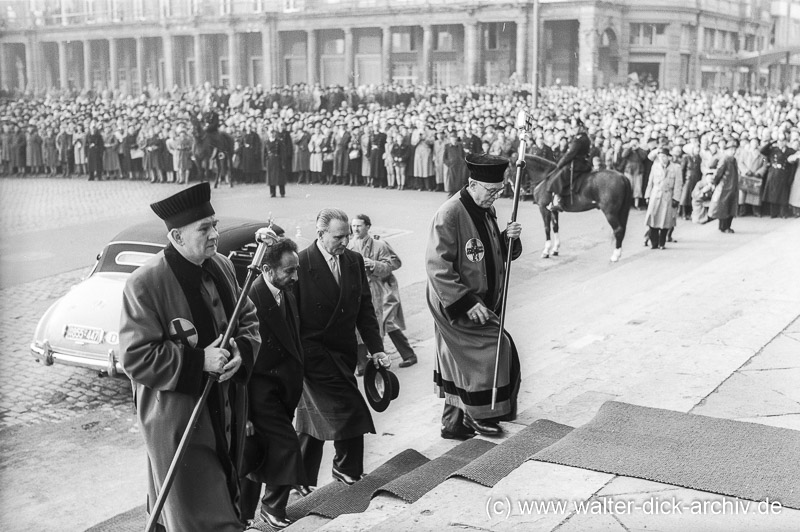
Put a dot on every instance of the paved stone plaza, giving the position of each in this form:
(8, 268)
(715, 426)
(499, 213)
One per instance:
(709, 326)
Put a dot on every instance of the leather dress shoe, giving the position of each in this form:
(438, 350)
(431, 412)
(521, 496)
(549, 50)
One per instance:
(461, 434)
(275, 522)
(303, 491)
(344, 477)
(410, 361)
(485, 428)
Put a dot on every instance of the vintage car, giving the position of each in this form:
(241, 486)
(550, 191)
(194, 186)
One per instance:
(82, 327)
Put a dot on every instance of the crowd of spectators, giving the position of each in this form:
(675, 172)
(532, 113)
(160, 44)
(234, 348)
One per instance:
(401, 137)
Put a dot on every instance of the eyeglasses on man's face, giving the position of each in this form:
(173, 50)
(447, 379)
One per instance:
(493, 192)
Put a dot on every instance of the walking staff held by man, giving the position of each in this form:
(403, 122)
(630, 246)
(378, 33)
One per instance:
(465, 262)
(175, 309)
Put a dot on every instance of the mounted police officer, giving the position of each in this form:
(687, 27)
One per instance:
(575, 161)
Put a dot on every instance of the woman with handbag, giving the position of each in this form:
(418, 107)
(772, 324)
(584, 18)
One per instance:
(752, 169)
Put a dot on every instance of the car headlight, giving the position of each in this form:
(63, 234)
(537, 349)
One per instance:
(112, 337)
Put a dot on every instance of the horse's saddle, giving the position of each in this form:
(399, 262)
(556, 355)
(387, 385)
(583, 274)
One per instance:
(578, 181)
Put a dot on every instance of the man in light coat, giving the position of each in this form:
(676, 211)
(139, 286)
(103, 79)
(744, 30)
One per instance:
(664, 193)
(380, 261)
(725, 200)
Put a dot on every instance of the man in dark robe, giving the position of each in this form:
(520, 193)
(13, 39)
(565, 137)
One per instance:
(95, 148)
(175, 309)
(377, 172)
(465, 262)
(275, 388)
(251, 154)
(775, 193)
(273, 159)
(334, 299)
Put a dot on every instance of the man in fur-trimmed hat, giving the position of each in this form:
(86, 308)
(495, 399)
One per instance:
(175, 311)
(465, 262)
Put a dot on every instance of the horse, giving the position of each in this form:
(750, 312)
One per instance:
(212, 151)
(607, 190)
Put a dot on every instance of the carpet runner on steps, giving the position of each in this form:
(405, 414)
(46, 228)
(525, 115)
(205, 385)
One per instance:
(745, 460)
(413, 485)
(496, 464)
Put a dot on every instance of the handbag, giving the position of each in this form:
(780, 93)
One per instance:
(354, 154)
(327, 156)
(751, 184)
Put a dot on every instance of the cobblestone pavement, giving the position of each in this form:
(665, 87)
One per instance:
(38, 203)
(31, 392)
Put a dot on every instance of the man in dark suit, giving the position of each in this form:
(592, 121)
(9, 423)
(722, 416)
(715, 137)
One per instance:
(334, 299)
(272, 453)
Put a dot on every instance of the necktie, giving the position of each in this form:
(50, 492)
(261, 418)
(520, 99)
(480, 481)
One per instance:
(335, 269)
(281, 303)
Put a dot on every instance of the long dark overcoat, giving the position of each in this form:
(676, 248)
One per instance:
(274, 391)
(332, 407)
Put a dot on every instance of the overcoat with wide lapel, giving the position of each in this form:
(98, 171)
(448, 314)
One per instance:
(332, 407)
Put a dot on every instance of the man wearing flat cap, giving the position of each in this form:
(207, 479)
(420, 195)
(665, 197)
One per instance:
(465, 262)
(175, 310)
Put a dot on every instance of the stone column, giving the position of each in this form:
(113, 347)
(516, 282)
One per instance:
(140, 62)
(698, 53)
(534, 72)
(522, 47)
(169, 62)
(87, 64)
(32, 63)
(5, 81)
(470, 52)
(587, 51)
(199, 57)
(64, 18)
(349, 59)
(234, 56)
(427, 46)
(112, 64)
(386, 54)
(311, 57)
(267, 53)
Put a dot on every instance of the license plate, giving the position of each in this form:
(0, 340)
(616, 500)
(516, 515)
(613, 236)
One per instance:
(76, 333)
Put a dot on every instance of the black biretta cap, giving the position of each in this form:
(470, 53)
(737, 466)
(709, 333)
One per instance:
(486, 168)
(185, 207)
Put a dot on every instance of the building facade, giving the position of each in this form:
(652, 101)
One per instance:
(131, 44)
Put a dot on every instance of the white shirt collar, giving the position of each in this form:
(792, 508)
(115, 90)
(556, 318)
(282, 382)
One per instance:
(327, 256)
(275, 291)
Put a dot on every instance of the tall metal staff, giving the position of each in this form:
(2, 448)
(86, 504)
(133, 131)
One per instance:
(265, 238)
(523, 127)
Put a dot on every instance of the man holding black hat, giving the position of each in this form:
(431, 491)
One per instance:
(465, 262)
(334, 299)
(574, 162)
(175, 310)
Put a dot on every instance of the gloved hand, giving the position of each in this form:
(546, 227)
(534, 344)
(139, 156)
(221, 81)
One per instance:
(675, 204)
